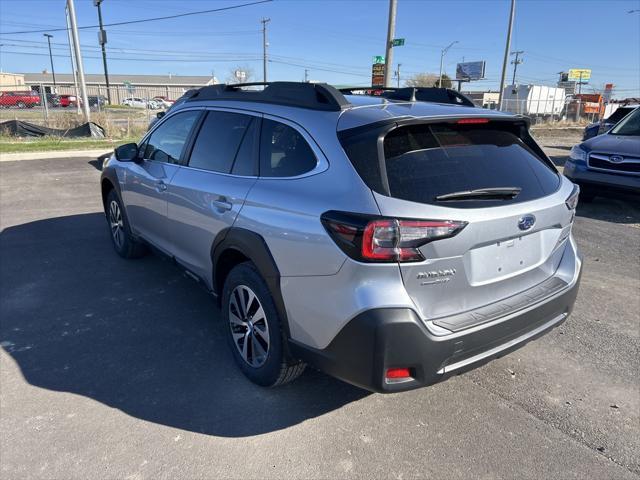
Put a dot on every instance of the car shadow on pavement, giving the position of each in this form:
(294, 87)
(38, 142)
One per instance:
(612, 207)
(135, 335)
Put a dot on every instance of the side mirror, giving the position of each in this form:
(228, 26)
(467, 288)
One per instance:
(127, 152)
(159, 115)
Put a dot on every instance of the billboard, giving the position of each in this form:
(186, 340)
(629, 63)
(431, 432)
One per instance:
(377, 75)
(468, 71)
(579, 74)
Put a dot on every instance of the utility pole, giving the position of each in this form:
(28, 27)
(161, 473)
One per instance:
(264, 22)
(391, 32)
(73, 62)
(76, 48)
(507, 47)
(398, 75)
(102, 40)
(306, 75)
(442, 54)
(515, 64)
(53, 72)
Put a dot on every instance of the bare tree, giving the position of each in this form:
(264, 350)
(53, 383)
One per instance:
(427, 80)
(240, 74)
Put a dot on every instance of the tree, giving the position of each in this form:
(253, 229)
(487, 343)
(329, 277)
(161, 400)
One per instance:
(427, 80)
(235, 75)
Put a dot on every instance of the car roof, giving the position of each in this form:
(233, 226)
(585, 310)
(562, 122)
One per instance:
(360, 110)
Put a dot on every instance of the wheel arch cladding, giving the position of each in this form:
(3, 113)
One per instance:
(235, 245)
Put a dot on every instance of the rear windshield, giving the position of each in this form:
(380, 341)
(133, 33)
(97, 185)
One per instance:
(422, 162)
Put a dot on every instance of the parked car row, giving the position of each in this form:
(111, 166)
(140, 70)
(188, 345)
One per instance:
(155, 103)
(32, 98)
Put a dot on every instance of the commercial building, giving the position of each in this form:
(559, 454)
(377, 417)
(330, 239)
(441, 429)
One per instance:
(121, 86)
(12, 81)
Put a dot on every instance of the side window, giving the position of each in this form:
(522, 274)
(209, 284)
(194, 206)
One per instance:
(283, 151)
(167, 142)
(218, 141)
(245, 162)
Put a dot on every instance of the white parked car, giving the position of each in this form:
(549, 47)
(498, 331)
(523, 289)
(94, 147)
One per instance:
(138, 102)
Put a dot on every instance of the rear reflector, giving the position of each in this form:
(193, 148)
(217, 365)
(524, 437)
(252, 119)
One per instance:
(472, 121)
(398, 373)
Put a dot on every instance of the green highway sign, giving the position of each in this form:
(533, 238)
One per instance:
(397, 42)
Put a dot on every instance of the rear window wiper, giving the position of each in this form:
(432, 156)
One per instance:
(500, 193)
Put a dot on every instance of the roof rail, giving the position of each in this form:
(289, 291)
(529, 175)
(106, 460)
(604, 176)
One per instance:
(413, 94)
(315, 96)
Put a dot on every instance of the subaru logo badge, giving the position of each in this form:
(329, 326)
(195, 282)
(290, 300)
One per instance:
(526, 222)
(616, 159)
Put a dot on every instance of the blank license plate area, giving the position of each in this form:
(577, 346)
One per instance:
(505, 258)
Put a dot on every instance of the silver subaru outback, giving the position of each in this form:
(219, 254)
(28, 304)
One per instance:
(386, 241)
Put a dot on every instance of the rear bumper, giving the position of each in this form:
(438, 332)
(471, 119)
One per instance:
(383, 338)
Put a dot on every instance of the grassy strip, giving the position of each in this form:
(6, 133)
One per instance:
(48, 144)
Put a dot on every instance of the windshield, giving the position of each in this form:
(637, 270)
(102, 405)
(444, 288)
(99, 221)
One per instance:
(630, 125)
(619, 114)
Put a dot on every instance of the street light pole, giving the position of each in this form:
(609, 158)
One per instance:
(264, 22)
(76, 48)
(507, 47)
(102, 40)
(442, 54)
(73, 62)
(53, 72)
(391, 31)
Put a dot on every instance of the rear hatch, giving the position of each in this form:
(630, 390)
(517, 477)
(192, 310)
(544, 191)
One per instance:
(489, 174)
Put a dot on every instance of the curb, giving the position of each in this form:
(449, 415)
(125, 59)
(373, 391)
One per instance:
(11, 157)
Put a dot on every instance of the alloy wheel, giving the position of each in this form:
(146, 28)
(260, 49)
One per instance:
(115, 222)
(249, 327)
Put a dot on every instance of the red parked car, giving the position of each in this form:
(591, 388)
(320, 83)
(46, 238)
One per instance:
(20, 99)
(68, 100)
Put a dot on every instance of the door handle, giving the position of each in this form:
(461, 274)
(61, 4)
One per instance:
(222, 204)
(161, 186)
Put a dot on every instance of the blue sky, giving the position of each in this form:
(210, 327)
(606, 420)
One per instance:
(336, 40)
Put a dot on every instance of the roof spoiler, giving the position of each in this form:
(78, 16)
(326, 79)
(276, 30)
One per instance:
(314, 96)
(413, 94)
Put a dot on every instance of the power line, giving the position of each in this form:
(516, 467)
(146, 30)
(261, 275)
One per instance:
(166, 17)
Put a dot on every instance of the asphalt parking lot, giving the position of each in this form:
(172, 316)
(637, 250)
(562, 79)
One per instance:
(118, 369)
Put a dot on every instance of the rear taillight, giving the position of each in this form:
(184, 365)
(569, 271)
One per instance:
(572, 201)
(372, 239)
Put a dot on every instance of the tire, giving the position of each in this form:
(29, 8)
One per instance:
(119, 230)
(255, 333)
(21, 105)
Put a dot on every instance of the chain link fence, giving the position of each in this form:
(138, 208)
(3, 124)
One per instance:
(129, 114)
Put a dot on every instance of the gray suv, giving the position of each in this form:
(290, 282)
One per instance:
(390, 243)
